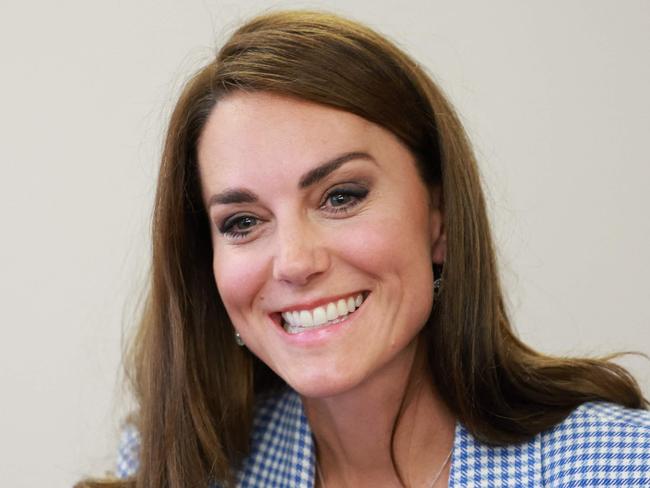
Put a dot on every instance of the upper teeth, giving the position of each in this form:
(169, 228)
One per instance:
(323, 314)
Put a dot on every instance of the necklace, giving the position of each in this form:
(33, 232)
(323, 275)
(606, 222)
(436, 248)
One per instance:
(441, 468)
(431, 484)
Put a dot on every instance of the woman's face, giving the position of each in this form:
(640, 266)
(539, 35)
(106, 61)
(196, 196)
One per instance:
(323, 236)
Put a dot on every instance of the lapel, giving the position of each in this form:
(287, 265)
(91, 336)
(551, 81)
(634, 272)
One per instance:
(475, 464)
(282, 450)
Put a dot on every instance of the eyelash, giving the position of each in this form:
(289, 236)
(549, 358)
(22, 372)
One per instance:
(357, 193)
(226, 228)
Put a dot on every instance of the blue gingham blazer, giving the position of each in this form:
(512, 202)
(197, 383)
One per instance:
(598, 444)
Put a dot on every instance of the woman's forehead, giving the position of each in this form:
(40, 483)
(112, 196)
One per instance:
(267, 145)
(258, 130)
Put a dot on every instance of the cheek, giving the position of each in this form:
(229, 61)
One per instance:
(395, 249)
(238, 279)
(395, 241)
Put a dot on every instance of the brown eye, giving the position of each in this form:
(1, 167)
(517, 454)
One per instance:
(238, 226)
(245, 222)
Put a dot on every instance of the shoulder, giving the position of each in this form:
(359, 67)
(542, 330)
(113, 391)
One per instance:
(600, 444)
(128, 452)
(281, 451)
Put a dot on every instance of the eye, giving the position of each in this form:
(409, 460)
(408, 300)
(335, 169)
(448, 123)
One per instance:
(342, 198)
(238, 226)
(339, 199)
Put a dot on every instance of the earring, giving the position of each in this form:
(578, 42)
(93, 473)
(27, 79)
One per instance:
(437, 282)
(238, 339)
(436, 286)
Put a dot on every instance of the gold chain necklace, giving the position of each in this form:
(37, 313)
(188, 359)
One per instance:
(431, 485)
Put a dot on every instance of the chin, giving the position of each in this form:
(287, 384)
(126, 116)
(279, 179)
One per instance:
(322, 385)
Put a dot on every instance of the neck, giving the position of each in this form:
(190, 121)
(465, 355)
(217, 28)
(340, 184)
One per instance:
(393, 420)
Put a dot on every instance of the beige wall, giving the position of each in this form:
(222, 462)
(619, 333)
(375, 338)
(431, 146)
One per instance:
(554, 94)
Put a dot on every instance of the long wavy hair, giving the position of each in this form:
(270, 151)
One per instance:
(196, 388)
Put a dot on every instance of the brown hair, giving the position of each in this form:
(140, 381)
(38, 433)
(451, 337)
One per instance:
(196, 387)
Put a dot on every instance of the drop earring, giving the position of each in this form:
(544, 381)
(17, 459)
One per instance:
(437, 279)
(238, 339)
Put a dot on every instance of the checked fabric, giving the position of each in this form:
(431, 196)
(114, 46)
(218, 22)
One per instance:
(598, 445)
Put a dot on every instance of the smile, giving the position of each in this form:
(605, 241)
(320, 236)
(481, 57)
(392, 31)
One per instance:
(297, 321)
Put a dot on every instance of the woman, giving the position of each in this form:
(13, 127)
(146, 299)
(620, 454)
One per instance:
(325, 308)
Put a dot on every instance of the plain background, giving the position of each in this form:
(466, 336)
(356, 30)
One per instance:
(554, 96)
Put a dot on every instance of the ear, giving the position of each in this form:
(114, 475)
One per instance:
(438, 233)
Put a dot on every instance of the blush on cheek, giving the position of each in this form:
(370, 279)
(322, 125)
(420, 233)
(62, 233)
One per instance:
(237, 281)
(385, 244)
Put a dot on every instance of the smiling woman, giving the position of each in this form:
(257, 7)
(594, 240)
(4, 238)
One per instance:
(329, 201)
(325, 308)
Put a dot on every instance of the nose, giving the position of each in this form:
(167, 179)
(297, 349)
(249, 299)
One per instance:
(300, 254)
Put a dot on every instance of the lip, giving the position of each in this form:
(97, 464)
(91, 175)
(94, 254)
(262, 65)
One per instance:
(317, 336)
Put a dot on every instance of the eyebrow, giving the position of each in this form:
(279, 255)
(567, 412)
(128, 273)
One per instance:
(321, 171)
(313, 176)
